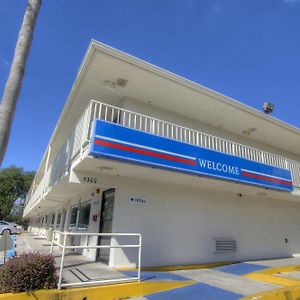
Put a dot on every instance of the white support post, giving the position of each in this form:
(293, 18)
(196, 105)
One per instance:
(52, 242)
(140, 258)
(62, 262)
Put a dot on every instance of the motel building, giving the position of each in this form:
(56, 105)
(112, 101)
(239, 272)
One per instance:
(202, 177)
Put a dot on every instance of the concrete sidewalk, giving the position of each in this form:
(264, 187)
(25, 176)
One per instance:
(249, 280)
(78, 268)
(231, 282)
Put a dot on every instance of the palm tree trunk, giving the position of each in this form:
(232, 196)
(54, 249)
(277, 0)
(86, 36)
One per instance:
(14, 81)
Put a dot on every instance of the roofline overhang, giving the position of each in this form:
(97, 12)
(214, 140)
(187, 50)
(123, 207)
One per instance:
(95, 46)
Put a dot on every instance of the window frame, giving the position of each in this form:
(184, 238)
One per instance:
(81, 210)
(58, 225)
(52, 223)
(78, 208)
(46, 221)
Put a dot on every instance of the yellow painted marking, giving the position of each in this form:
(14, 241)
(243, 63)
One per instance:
(291, 286)
(284, 281)
(109, 292)
(272, 275)
(184, 267)
(276, 270)
(292, 293)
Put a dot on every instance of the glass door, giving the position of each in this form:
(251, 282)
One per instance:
(106, 218)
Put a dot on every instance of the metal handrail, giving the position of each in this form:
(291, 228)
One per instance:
(64, 246)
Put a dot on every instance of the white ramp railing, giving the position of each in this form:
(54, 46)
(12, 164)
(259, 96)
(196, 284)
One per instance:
(64, 247)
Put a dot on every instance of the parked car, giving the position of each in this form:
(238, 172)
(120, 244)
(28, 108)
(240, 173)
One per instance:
(10, 227)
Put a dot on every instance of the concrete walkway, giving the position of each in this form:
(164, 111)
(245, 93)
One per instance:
(230, 282)
(78, 268)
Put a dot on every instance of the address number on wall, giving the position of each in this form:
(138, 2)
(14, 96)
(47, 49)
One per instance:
(89, 179)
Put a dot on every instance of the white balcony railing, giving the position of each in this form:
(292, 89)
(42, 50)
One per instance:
(80, 136)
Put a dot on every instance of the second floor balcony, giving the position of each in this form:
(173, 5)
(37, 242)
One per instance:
(79, 140)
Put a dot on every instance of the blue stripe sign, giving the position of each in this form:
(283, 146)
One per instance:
(113, 141)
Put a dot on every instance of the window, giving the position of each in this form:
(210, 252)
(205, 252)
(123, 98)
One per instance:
(73, 218)
(84, 216)
(58, 220)
(80, 217)
(52, 220)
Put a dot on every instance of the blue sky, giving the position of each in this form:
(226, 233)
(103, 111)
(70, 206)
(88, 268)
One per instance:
(245, 49)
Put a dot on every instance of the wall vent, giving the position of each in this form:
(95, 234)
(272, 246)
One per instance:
(225, 245)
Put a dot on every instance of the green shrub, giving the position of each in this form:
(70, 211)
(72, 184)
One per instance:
(28, 272)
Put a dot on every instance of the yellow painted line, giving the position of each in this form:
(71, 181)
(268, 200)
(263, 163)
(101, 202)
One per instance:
(274, 279)
(289, 291)
(292, 293)
(109, 292)
(276, 270)
(183, 267)
(272, 275)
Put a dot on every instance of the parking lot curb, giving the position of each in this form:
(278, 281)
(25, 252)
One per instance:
(110, 292)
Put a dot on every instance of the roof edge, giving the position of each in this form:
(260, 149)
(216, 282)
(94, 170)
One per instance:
(95, 45)
(190, 84)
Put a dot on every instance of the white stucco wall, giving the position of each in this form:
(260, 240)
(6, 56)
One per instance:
(179, 224)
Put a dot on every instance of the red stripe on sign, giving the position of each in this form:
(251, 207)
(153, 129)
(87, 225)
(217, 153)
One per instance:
(144, 152)
(261, 177)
